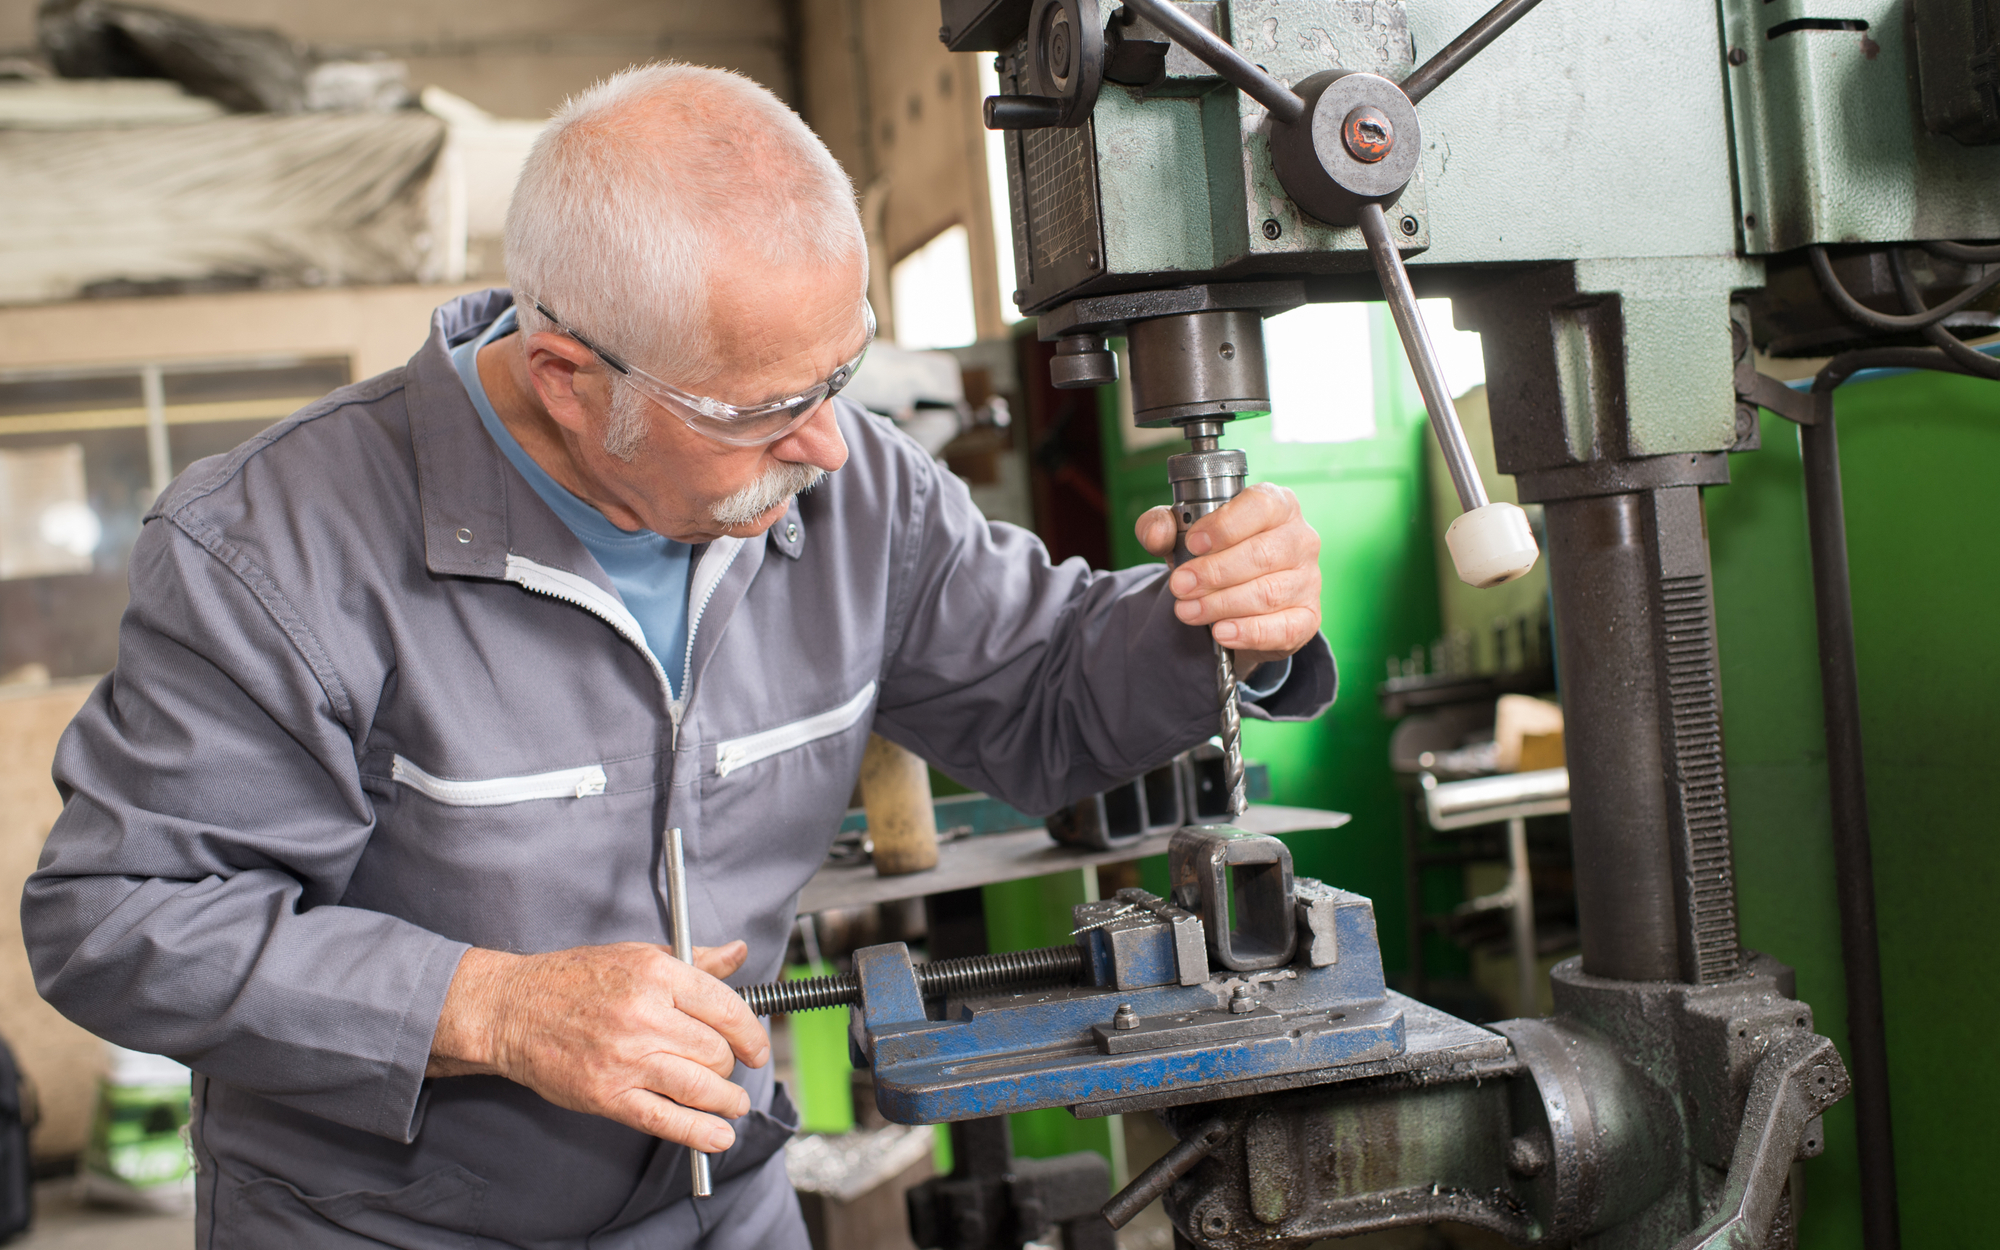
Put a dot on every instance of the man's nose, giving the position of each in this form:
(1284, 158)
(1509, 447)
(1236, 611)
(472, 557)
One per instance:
(817, 442)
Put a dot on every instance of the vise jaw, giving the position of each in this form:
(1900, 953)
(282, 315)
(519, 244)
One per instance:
(1165, 1009)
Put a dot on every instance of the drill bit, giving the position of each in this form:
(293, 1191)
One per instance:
(1232, 731)
(1204, 478)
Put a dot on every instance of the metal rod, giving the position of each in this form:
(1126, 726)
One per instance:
(1009, 970)
(1854, 870)
(1225, 60)
(1423, 360)
(1165, 1170)
(1521, 915)
(1453, 56)
(677, 900)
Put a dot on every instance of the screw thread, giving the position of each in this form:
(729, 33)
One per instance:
(945, 977)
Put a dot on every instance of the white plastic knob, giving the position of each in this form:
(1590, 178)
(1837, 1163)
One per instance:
(1491, 545)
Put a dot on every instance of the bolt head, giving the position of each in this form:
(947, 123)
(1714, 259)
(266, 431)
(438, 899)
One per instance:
(1271, 228)
(1368, 134)
(1409, 225)
(1125, 1018)
(1737, 56)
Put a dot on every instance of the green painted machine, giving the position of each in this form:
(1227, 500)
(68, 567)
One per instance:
(1630, 203)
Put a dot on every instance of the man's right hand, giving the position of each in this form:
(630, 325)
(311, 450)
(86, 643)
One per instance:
(627, 1032)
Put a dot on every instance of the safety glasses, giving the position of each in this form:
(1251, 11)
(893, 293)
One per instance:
(751, 426)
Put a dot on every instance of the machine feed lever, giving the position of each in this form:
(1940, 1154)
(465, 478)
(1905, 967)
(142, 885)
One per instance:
(1490, 543)
(1167, 1169)
(1209, 48)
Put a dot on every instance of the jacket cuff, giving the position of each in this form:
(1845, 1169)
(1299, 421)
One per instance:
(1306, 691)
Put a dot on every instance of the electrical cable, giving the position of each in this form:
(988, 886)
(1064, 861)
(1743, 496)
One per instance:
(1830, 283)
(1964, 253)
(1975, 362)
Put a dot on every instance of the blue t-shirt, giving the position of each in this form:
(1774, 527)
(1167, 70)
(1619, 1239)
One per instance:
(650, 571)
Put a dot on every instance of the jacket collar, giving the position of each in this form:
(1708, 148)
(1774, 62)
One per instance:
(477, 510)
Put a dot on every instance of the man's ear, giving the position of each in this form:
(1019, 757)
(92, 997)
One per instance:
(568, 378)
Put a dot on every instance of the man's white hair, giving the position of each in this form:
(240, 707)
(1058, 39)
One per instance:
(638, 186)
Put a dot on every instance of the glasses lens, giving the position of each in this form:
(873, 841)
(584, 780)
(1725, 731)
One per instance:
(762, 427)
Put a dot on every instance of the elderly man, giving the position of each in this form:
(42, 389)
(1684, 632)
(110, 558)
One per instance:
(367, 824)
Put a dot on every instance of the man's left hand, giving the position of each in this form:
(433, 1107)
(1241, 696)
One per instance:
(1254, 578)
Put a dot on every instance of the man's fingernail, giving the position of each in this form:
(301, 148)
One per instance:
(1182, 582)
(1188, 610)
(720, 1140)
(1199, 543)
(1226, 631)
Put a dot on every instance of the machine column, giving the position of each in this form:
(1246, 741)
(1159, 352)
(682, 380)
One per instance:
(1635, 628)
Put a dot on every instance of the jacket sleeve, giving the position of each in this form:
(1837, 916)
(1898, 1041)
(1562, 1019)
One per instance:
(1042, 683)
(187, 901)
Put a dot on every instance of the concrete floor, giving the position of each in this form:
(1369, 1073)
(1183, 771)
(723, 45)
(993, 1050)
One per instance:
(64, 1223)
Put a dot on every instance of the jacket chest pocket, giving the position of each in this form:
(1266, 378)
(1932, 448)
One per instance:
(742, 752)
(561, 783)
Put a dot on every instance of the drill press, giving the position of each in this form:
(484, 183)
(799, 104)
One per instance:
(1602, 203)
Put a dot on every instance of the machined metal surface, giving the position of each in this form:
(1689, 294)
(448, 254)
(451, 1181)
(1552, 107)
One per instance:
(1635, 623)
(1204, 364)
(684, 951)
(1317, 160)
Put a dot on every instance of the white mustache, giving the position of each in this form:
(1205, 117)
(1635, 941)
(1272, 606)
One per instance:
(784, 480)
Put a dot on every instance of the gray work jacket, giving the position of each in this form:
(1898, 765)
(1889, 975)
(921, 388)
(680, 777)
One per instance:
(375, 704)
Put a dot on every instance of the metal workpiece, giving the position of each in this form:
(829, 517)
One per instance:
(1649, 812)
(1211, 865)
(1192, 365)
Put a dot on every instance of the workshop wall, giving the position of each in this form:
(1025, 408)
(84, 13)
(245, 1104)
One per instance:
(901, 114)
(513, 58)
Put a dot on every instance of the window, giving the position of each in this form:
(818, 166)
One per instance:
(932, 291)
(83, 455)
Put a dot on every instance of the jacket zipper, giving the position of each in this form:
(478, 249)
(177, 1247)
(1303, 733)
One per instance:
(563, 783)
(584, 593)
(734, 754)
(700, 593)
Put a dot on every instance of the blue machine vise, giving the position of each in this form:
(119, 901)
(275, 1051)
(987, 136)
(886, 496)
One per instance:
(1244, 973)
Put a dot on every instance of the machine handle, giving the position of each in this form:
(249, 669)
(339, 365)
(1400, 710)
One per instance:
(1453, 56)
(1492, 542)
(1235, 68)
